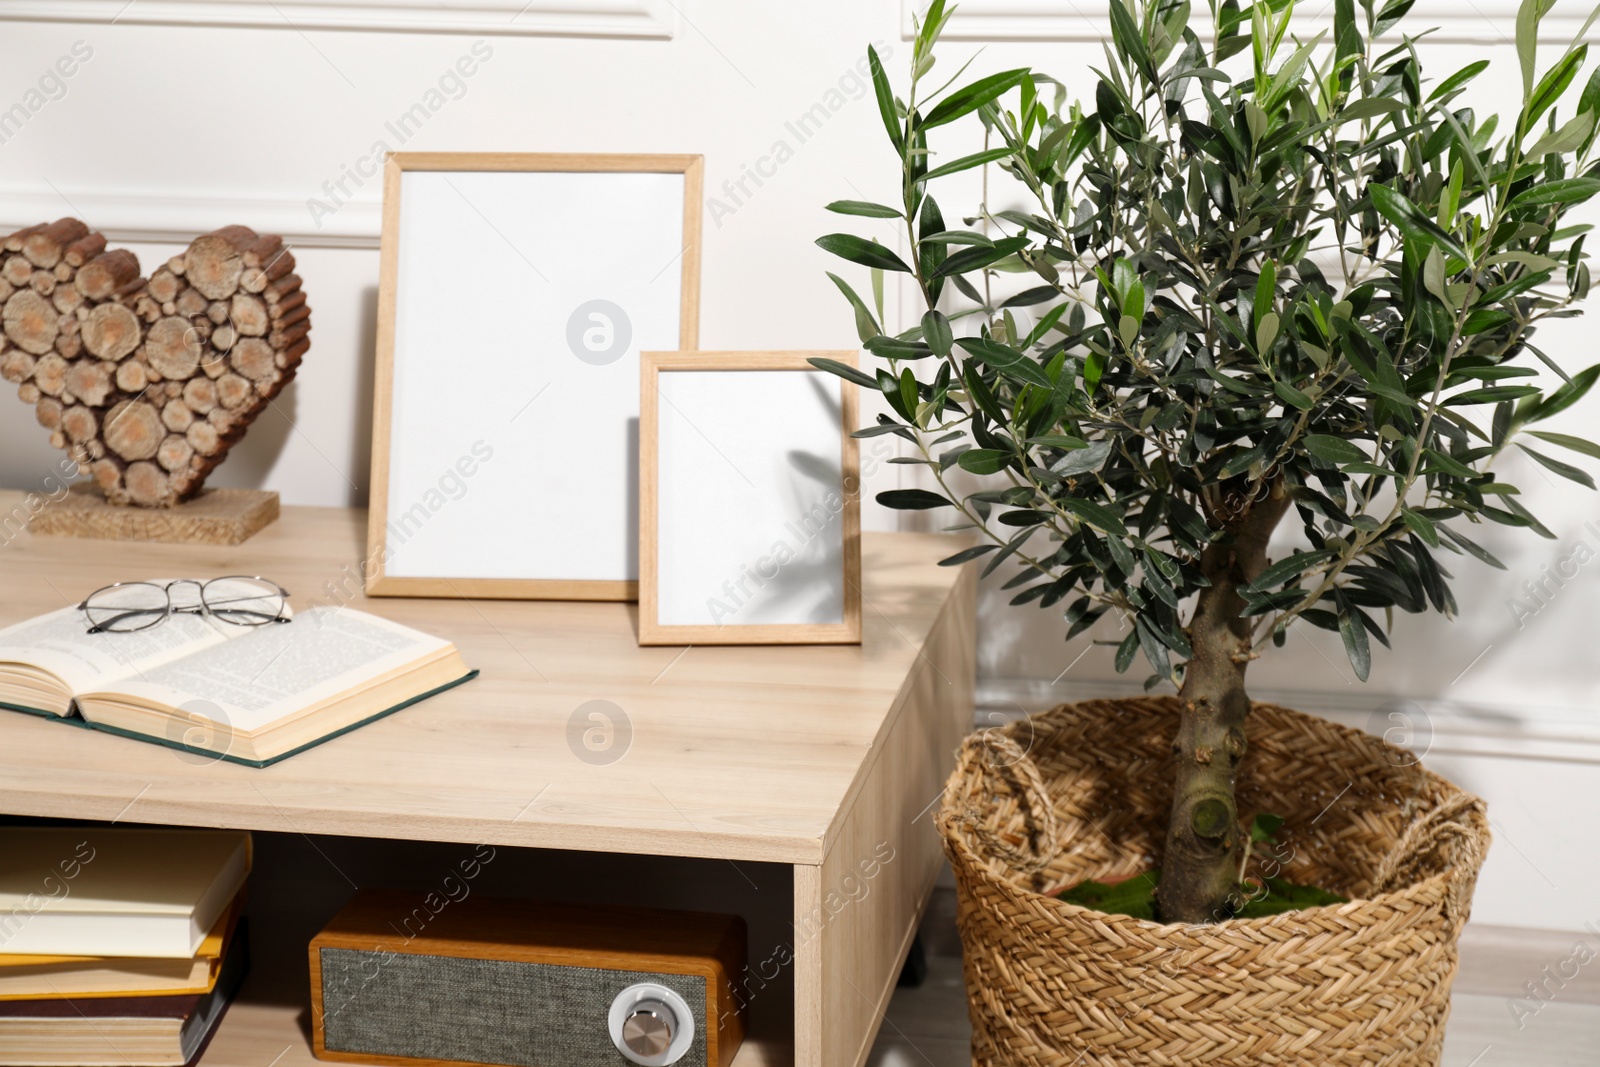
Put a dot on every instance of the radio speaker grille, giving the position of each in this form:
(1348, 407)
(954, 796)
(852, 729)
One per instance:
(484, 1011)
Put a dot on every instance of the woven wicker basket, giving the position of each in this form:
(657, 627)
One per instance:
(1082, 791)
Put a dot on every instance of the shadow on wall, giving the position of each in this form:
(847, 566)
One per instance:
(251, 462)
(361, 417)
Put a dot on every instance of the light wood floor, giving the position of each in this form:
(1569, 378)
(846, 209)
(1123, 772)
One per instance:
(927, 1027)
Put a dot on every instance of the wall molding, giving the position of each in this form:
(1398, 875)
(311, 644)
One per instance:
(1431, 727)
(652, 19)
(165, 217)
(1484, 22)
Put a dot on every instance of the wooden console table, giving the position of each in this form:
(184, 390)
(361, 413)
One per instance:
(815, 757)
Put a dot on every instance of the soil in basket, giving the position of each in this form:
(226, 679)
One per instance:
(1136, 896)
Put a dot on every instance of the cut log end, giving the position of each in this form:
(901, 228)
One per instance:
(48, 411)
(190, 303)
(200, 394)
(106, 273)
(16, 271)
(164, 286)
(16, 366)
(111, 332)
(175, 453)
(255, 359)
(107, 475)
(148, 485)
(45, 247)
(249, 315)
(30, 322)
(50, 374)
(133, 430)
(84, 249)
(131, 376)
(79, 423)
(177, 416)
(233, 391)
(204, 438)
(215, 261)
(89, 380)
(172, 347)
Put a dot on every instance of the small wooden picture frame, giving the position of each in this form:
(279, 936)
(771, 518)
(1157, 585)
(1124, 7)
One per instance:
(750, 507)
(516, 292)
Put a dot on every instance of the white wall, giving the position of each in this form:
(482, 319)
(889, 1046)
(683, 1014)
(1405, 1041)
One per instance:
(170, 129)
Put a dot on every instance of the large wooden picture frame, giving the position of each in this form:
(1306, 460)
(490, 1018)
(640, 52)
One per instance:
(515, 293)
(749, 494)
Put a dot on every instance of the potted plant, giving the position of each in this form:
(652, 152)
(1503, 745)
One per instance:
(1258, 280)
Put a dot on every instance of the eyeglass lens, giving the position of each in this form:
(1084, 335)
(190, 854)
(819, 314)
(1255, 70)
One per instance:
(125, 608)
(243, 601)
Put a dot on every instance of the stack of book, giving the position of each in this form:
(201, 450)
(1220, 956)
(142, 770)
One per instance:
(118, 947)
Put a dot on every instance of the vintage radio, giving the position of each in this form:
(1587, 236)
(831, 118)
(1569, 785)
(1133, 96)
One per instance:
(409, 978)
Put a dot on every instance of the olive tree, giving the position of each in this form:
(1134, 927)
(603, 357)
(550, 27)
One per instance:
(1264, 277)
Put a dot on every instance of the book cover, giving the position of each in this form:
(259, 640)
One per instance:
(32, 977)
(149, 1031)
(116, 891)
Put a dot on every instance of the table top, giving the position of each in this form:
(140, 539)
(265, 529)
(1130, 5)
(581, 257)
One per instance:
(735, 752)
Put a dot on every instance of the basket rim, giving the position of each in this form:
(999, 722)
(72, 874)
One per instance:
(957, 839)
(1079, 912)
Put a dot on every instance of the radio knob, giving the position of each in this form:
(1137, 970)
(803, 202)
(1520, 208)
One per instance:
(651, 1025)
(648, 1031)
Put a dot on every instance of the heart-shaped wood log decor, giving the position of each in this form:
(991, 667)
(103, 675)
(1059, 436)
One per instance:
(147, 383)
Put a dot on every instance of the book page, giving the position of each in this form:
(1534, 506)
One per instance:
(278, 670)
(60, 643)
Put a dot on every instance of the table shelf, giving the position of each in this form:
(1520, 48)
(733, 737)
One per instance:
(262, 1031)
(824, 759)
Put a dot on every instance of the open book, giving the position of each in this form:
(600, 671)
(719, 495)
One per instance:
(248, 694)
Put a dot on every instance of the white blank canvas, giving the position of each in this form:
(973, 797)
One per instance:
(750, 498)
(508, 365)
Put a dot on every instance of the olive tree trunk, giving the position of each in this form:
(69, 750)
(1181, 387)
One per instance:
(1204, 839)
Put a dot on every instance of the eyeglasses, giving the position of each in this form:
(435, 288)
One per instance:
(238, 599)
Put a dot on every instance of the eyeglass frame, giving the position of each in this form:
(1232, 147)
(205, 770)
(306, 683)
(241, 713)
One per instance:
(203, 609)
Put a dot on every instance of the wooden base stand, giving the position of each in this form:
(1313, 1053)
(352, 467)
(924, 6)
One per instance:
(215, 517)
